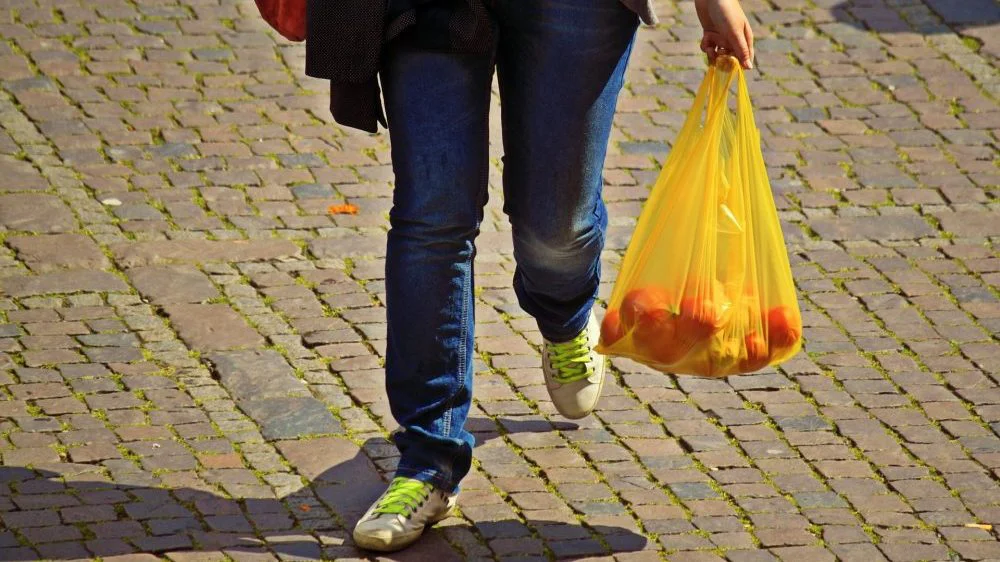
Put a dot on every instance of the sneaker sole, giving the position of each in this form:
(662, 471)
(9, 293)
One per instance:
(379, 545)
(397, 543)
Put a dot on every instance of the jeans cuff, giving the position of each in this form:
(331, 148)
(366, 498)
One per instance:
(436, 478)
(566, 333)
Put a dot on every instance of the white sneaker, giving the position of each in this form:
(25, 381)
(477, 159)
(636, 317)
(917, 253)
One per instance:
(398, 518)
(574, 372)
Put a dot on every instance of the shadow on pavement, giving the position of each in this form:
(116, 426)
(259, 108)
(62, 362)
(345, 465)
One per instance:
(68, 512)
(957, 15)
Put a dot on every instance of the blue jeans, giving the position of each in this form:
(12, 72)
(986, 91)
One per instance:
(560, 65)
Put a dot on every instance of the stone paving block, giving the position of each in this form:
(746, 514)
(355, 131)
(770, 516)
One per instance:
(211, 327)
(170, 285)
(62, 282)
(29, 456)
(955, 12)
(872, 228)
(200, 251)
(350, 245)
(18, 553)
(291, 417)
(94, 452)
(54, 251)
(35, 212)
(252, 374)
(970, 224)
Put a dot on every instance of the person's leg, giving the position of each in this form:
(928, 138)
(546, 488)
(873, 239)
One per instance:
(560, 66)
(437, 105)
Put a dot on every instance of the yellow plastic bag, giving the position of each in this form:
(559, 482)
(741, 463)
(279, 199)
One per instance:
(705, 287)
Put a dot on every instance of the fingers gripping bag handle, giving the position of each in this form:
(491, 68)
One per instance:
(705, 287)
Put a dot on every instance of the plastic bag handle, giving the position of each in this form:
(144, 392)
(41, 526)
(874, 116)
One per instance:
(710, 103)
(744, 108)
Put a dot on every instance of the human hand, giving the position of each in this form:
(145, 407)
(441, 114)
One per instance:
(726, 30)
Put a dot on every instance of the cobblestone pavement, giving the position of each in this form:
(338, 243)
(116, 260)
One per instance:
(190, 344)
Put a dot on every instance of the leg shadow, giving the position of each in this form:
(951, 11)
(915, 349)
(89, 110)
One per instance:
(71, 511)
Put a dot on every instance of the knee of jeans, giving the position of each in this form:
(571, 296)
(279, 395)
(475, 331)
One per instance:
(557, 249)
(433, 228)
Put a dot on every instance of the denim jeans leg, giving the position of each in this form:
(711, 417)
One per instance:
(437, 106)
(560, 67)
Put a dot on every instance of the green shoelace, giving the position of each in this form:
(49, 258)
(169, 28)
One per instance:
(570, 359)
(404, 496)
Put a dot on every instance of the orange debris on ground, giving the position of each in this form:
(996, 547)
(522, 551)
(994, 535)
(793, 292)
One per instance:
(345, 209)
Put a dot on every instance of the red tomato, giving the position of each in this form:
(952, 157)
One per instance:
(646, 311)
(611, 327)
(661, 344)
(757, 354)
(645, 305)
(698, 318)
(784, 327)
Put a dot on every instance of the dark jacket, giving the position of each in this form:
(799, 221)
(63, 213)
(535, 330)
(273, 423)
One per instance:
(345, 39)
